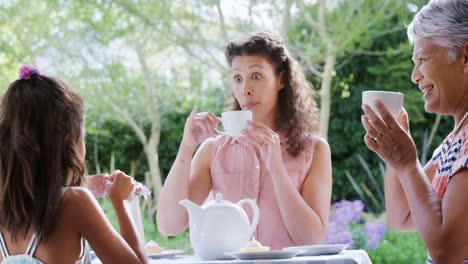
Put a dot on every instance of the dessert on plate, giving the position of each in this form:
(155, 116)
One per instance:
(254, 246)
(153, 248)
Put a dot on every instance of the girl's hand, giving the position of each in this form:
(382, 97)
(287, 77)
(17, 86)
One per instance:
(388, 138)
(122, 188)
(267, 142)
(98, 184)
(198, 127)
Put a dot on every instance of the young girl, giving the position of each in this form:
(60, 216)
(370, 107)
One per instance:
(44, 213)
(279, 161)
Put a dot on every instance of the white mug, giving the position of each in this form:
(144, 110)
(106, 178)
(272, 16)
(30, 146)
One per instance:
(393, 101)
(234, 122)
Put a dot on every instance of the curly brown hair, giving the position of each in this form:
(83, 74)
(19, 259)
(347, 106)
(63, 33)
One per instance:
(41, 121)
(298, 112)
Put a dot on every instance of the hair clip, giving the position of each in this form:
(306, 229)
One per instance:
(26, 71)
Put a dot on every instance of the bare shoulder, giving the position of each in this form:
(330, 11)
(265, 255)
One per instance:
(321, 158)
(205, 150)
(458, 184)
(208, 144)
(76, 192)
(321, 146)
(321, 143)
(318, 183)
(455, 213)
(78, 199)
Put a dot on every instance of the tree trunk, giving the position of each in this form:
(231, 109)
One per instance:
(325, 94)
(151, 147)
(221, 21)
(153, 162)
(435, 126)
(286, 20)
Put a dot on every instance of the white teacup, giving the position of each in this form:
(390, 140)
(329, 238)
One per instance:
(234, 122)
(393, 101)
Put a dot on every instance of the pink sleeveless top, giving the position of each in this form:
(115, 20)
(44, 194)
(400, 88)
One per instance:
(238, 173)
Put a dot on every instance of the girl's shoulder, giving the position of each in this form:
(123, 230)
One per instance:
(78, 199)
(75, 203)
(76, 192)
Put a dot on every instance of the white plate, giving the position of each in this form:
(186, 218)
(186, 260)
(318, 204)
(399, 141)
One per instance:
(315, 250)
(271, 254)
(166, 253)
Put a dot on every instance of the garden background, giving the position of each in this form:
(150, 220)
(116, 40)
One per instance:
(141, 65)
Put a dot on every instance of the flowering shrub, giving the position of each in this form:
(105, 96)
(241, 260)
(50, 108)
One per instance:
(347, 226)
(374, 232)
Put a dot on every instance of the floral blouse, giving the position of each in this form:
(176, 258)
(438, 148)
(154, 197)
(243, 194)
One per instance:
(449, 158)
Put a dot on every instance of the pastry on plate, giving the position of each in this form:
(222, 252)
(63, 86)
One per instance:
(153, 248)
(254, 246)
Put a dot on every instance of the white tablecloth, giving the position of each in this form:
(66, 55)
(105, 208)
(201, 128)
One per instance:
(347, 257)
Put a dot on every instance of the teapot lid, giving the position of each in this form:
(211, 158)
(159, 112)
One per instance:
(219, 198)
(220, 202)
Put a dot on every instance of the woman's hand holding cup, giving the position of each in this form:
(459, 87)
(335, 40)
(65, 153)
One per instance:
(198, 127)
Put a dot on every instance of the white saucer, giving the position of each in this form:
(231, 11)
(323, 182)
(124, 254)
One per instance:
(271, 254)
(166, 253)
(315, 250)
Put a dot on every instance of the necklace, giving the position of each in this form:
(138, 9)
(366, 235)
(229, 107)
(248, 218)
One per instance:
(459, 125)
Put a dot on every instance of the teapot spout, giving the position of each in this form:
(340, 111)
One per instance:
(195, 212)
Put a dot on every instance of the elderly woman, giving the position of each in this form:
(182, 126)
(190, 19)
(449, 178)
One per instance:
(432, 199)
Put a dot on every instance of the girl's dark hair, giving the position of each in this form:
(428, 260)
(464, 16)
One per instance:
(298, 113)
(41, 121)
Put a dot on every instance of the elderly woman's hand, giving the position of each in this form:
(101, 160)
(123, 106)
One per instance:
(388, 138)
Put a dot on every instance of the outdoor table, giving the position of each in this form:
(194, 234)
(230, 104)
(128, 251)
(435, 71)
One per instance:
(346, 257)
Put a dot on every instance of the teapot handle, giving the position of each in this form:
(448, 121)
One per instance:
(256, 212)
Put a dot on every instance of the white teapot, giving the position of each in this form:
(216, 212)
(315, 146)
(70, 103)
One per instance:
(219, 226)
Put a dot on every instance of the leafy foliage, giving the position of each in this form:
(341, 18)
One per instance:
(399, 248)
(388, 71)
(114, 140)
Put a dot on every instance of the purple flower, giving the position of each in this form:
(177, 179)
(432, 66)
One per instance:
(374, 232)
(346, 211)
(346, 225)
(342, 213)
(26, 71)
(338, 234)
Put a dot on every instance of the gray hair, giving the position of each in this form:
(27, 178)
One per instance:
(445, 22)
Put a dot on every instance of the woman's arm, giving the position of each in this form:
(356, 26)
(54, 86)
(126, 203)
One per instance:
(306, 214)
(188, 179)
(398, 212)
(441, 224)
(396, 203)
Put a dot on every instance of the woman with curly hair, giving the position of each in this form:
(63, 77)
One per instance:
(279, 160)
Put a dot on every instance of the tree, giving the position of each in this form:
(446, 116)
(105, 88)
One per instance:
(338, 31)
(106, 51)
